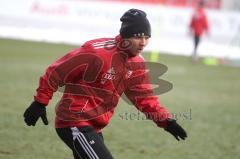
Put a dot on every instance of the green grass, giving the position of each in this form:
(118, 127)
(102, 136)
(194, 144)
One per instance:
(211, 93)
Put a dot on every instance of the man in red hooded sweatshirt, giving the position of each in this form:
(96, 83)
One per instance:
(93, 78)
(198, 25)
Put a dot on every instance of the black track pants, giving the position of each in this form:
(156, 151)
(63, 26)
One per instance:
(84, 142)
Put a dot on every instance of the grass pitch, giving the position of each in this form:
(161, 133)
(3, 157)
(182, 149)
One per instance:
(205, 99)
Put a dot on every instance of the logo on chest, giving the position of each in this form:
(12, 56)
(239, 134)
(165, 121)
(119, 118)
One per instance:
(129, 73)
(109, 75)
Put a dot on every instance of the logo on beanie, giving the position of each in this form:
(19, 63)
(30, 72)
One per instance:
(138, 34)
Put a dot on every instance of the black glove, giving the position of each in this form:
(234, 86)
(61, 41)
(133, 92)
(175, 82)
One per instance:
(175, 129)
(33, 112)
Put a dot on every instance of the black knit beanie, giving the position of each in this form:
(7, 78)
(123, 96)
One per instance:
(135, 23)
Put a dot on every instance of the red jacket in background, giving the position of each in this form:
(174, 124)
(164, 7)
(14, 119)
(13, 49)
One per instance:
(92, 79)
(199, 22)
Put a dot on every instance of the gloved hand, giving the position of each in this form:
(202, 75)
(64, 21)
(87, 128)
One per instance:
(175, 129)
(33, 112)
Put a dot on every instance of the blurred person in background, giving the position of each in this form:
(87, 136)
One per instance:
(198, 26)
(95, 76)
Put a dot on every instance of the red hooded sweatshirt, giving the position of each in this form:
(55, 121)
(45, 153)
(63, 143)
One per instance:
(92, 79)
(199, 22)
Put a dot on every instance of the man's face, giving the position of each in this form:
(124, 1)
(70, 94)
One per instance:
(137, 45)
